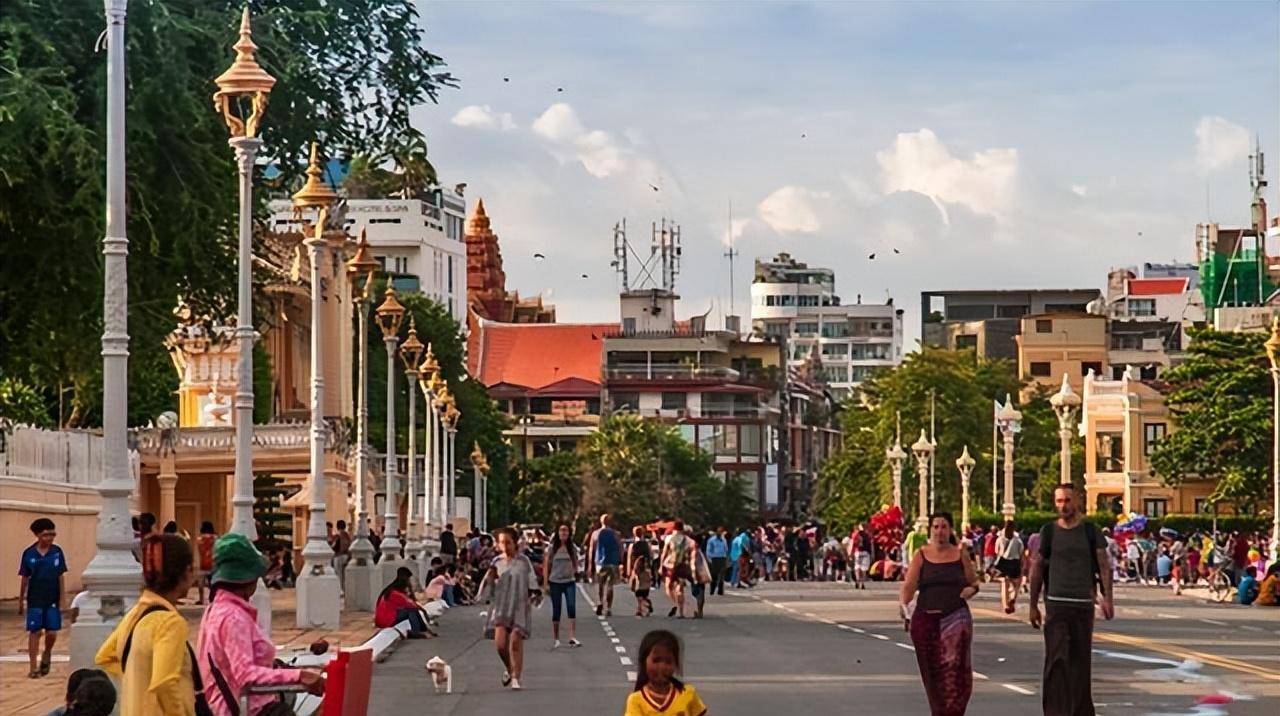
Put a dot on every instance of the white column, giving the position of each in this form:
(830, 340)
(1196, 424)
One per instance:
(112, 576)
(318, 591)
(390, 518)
(361, 588)
(922, 471)
(451, 478)
(896, 467)
(413, 546)
(1008, 509)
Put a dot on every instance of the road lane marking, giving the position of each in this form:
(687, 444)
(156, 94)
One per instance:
(1019, 690)
(620, 649)
(980, 675)
(1162, 615)
(1214, 622)
(881, 637)
(858, 631)
(626, 660)
(1246, 627)
(631, 677)
(908, 647)
(615, 640)
(608, 630)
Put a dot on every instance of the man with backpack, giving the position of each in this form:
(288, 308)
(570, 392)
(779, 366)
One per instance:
(1074, 572)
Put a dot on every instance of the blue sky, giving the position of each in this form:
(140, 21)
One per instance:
(994, 144)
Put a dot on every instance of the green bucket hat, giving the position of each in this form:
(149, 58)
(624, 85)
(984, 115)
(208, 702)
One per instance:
(236, 560)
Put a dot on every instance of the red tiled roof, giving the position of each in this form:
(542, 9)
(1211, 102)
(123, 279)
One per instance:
(1157, 286)
(538, 355)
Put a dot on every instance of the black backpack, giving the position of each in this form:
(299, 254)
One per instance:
(1091, 534)
(202, 704)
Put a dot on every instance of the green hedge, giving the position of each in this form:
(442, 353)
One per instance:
(1033, 520)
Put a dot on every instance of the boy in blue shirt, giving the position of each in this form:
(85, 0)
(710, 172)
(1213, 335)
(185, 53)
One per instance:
(43, 586)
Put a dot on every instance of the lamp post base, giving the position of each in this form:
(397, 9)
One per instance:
(319, 601)
(361, 589)
(387, 567)
(1007, 510)
(98, 618)
(261, 601)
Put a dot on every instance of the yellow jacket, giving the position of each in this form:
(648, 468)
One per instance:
(158, 680)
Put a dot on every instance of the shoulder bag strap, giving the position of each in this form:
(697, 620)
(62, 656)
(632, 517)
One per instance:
(233, 704)
(128, 642)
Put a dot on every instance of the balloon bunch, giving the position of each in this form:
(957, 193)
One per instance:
(1132, 523)
(887, 526)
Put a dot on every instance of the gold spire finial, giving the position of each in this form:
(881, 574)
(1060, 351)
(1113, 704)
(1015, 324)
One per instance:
(245, 78)
(315, 193)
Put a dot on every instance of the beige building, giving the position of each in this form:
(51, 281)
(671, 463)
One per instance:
(1053, 344)
(1121, 422)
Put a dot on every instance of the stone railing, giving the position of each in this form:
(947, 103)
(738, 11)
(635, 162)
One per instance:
(72, 457)
(278, 435)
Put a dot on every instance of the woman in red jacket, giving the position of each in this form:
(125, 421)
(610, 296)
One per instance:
(396, 604)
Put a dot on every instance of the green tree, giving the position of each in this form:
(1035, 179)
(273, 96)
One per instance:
(274, 524)
(22, 404)
(857, 482)
(549, 489)
(348, 74)
(1220, 398)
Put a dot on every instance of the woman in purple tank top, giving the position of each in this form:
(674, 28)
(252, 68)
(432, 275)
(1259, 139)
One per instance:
(941, 627)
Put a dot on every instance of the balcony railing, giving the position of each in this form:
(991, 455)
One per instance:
(643, 371)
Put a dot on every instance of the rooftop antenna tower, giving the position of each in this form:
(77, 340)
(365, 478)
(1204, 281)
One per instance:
(664, 245)
(620, 247)
(730, 254)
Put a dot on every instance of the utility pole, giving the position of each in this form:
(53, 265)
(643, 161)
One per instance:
(933, 440)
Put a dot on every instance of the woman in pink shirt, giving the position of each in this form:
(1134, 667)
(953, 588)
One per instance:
(233, 651)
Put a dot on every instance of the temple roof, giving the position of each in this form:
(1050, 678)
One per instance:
(539, 355)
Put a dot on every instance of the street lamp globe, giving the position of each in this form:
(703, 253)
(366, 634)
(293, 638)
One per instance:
(244, 88)
(389, 314)
(1065, 401)
(895, 452)
(315, 193)
(965, 462)
(361, 266)
(1009, 415)
(411, 349)
(430, 366)
(923, 447)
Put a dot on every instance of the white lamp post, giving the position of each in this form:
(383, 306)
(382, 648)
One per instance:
(441, 404)
(241, 98)
(318, 591)
(1273, 354)
(428, 383)
(965, 464)
(410, 353)
(390, 314)
(896, 456)
(923, 450)
(451, 416)
(1010, 422)
(112, 577)
(361, 588)
(1065, 403)
(479, 488)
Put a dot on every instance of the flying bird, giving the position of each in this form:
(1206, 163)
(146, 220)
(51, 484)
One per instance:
(459, 188)
(584, 275)
(653, 187)
(802, 136)
(506, 79)
(872, 257)
(539, 257)
(559, 89)
(896, 251)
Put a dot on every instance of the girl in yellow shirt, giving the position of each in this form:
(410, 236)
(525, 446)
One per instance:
(156, 678)
(658, 691)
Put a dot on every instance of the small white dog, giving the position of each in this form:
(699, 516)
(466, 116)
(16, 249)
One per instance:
(441, 674)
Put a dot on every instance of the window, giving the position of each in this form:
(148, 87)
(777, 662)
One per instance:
(1152, 433)
(1203, 505)
(382, 263)
(628, 325)
(1040, 369)
(1064, 307)
(1142, 307)
(1110, 452)
(835, 350)
(786, 300)
(807, 328)
(965, 341)
(808, 300)
(1155, 507)
(1148, 372)
(1086, 366)
(673, 401)
(1012, 311)
(835, 330)
(540, 406)
(770, 300)
(1044, 325)
(450, 273)
(625, 401)
(835, 373)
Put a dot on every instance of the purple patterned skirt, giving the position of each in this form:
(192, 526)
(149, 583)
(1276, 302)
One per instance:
(942, 643)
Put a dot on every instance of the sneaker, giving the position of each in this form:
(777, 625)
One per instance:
(574, 643)
(599, 609)
(515, 685)
(506, 678)
(556, 645)
(608, 612)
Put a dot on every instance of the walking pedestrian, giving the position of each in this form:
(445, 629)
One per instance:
(514, 588)
(941, 625)
(148, 651)
(701, 571)
(640, 581)
(718, 553)
(861, 556)
(1009, 566)
(676, 567)
(233, 650)
(1072, 569)
(448, 545)
(204, 558)
(658, 691)
(43, 588)
(606, 552)
(559, 567)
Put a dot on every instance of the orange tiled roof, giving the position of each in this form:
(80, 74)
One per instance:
(536, 355)
(1157, 286)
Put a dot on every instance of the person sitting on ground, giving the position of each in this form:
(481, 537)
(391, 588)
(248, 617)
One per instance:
(1247, 590)
(440, 588)
(86, 698)
(396, 604)
(1269, 590)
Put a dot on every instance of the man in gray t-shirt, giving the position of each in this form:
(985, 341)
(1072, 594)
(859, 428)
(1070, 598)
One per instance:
(1072, 559)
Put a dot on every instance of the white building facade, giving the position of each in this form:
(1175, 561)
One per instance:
(419, 243)
(791, 300)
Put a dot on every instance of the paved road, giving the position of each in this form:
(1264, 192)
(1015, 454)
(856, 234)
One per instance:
(831, 648)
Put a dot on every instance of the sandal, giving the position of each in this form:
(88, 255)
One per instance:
(45, 662)
(33, 674)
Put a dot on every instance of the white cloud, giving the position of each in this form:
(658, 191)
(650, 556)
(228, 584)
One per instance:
(483, 117)
(920, 162)
(790, 210)
(570, 140)
(1220, 143)
(733, 233)
(1080, 190)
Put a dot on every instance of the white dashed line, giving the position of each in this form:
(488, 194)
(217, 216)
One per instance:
(846, 627)
(1019, 690)
(1249, 628)
(881, 637)
(981, 676)
(1162, 615)
(1214, 622)
(858, 631)
(631, 677)
(811, 615)
(620, 649)
(608, 630)
(626, 660)
(615, 640)
(908, 647)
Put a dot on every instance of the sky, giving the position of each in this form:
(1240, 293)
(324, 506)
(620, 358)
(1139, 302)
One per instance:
(995, 145)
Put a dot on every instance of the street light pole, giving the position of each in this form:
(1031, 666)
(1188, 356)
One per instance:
(965, 464)
(410, 352)
(1065, 402)
(896, 456)
(923, 450)
(318, 590)
(112, 577)
(428, 382)
(1273, 354)
(1010, 421)
(361, 589)
(390, 314)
